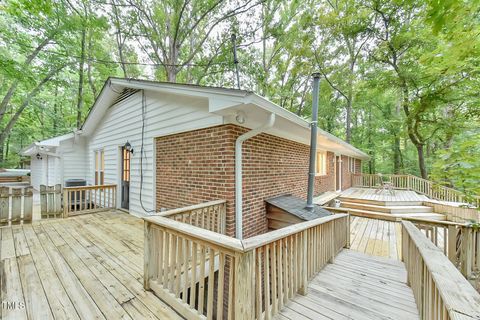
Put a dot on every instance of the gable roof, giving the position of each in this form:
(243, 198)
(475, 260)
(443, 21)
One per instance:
(222, 101)
(45, 146)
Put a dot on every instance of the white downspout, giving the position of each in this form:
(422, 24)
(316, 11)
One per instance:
(238, 172)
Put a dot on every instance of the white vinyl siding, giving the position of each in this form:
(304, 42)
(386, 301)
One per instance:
(73, 159)
(54, 171)
(165, 114)
(37, 172)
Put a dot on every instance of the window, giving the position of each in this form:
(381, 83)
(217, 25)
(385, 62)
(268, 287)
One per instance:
(321, 163)
(99, 167)
(351, 165)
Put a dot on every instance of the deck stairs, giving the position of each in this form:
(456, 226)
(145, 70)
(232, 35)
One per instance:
(368, 203)
(393, 211)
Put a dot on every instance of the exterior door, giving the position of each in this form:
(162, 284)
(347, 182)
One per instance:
(125, 178)
(338, 173)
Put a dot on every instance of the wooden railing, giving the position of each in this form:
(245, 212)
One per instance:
(86, 199)
(207, 275)
(460, 242)
(16, 205)
(51, 201)
(417, 184)
(440, 290)
(210, 215)
(454, 213)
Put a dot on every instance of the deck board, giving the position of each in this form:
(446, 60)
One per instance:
(355, 286)
(383, 195)
(84, 267)
(375, 237)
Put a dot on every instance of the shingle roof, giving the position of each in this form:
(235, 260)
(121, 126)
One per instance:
(296, 206)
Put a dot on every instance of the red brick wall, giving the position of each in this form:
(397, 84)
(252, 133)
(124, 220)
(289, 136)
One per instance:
(346, 173)
(198, 166)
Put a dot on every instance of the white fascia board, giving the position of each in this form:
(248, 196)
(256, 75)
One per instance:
(216, 104)
(190, 90)
(346, 148)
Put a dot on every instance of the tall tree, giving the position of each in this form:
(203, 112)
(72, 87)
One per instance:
(173, 33)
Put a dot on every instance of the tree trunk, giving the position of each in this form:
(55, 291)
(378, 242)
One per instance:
(1, 155)
(397, 153)
(8, 128)
(55, 111)
(14, 85)
(80, 81)
(348, 128)
(421, 161)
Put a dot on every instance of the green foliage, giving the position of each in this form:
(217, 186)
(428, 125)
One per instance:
(400, 78)
(459, 166)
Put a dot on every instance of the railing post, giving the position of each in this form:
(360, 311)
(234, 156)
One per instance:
(303, 273)
(466, 254)
(244, 285)
(65, 203)
(348, 232)
(332, 241)
(452, 243)
(147, 251)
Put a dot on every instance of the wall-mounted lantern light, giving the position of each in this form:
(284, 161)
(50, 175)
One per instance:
(128, 147)
(39, 157)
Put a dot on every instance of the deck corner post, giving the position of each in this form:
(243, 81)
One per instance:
(333, 249)
(304, 274)
(65, 203)
(146, 258)
(347, 245)
(244, 285)
(452, 243)
(466, 253)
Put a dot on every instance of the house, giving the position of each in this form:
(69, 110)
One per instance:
(169, 145)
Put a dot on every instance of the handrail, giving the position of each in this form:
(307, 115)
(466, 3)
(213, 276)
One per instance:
(234, 244)
(190, 208)
(440, 290)
(100, 186)
(194, 232)
(197, 271)
(272, 236)
(210, 215)
(410, 182)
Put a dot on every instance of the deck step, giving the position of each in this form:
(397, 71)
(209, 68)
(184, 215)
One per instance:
(381, 203)
(387, 209)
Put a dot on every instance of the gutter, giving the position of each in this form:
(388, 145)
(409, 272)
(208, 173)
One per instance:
(239, 173)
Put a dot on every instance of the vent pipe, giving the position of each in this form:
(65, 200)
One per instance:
(313, 141)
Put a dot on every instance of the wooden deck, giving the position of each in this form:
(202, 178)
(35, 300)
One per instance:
(383, 196)
(355, 286)
(86, 267)
(376, 237)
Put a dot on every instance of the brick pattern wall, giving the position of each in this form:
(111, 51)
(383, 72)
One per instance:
(346, 174)
(198, 166)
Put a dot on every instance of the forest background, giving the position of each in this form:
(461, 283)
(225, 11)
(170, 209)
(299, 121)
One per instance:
(400, 79)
